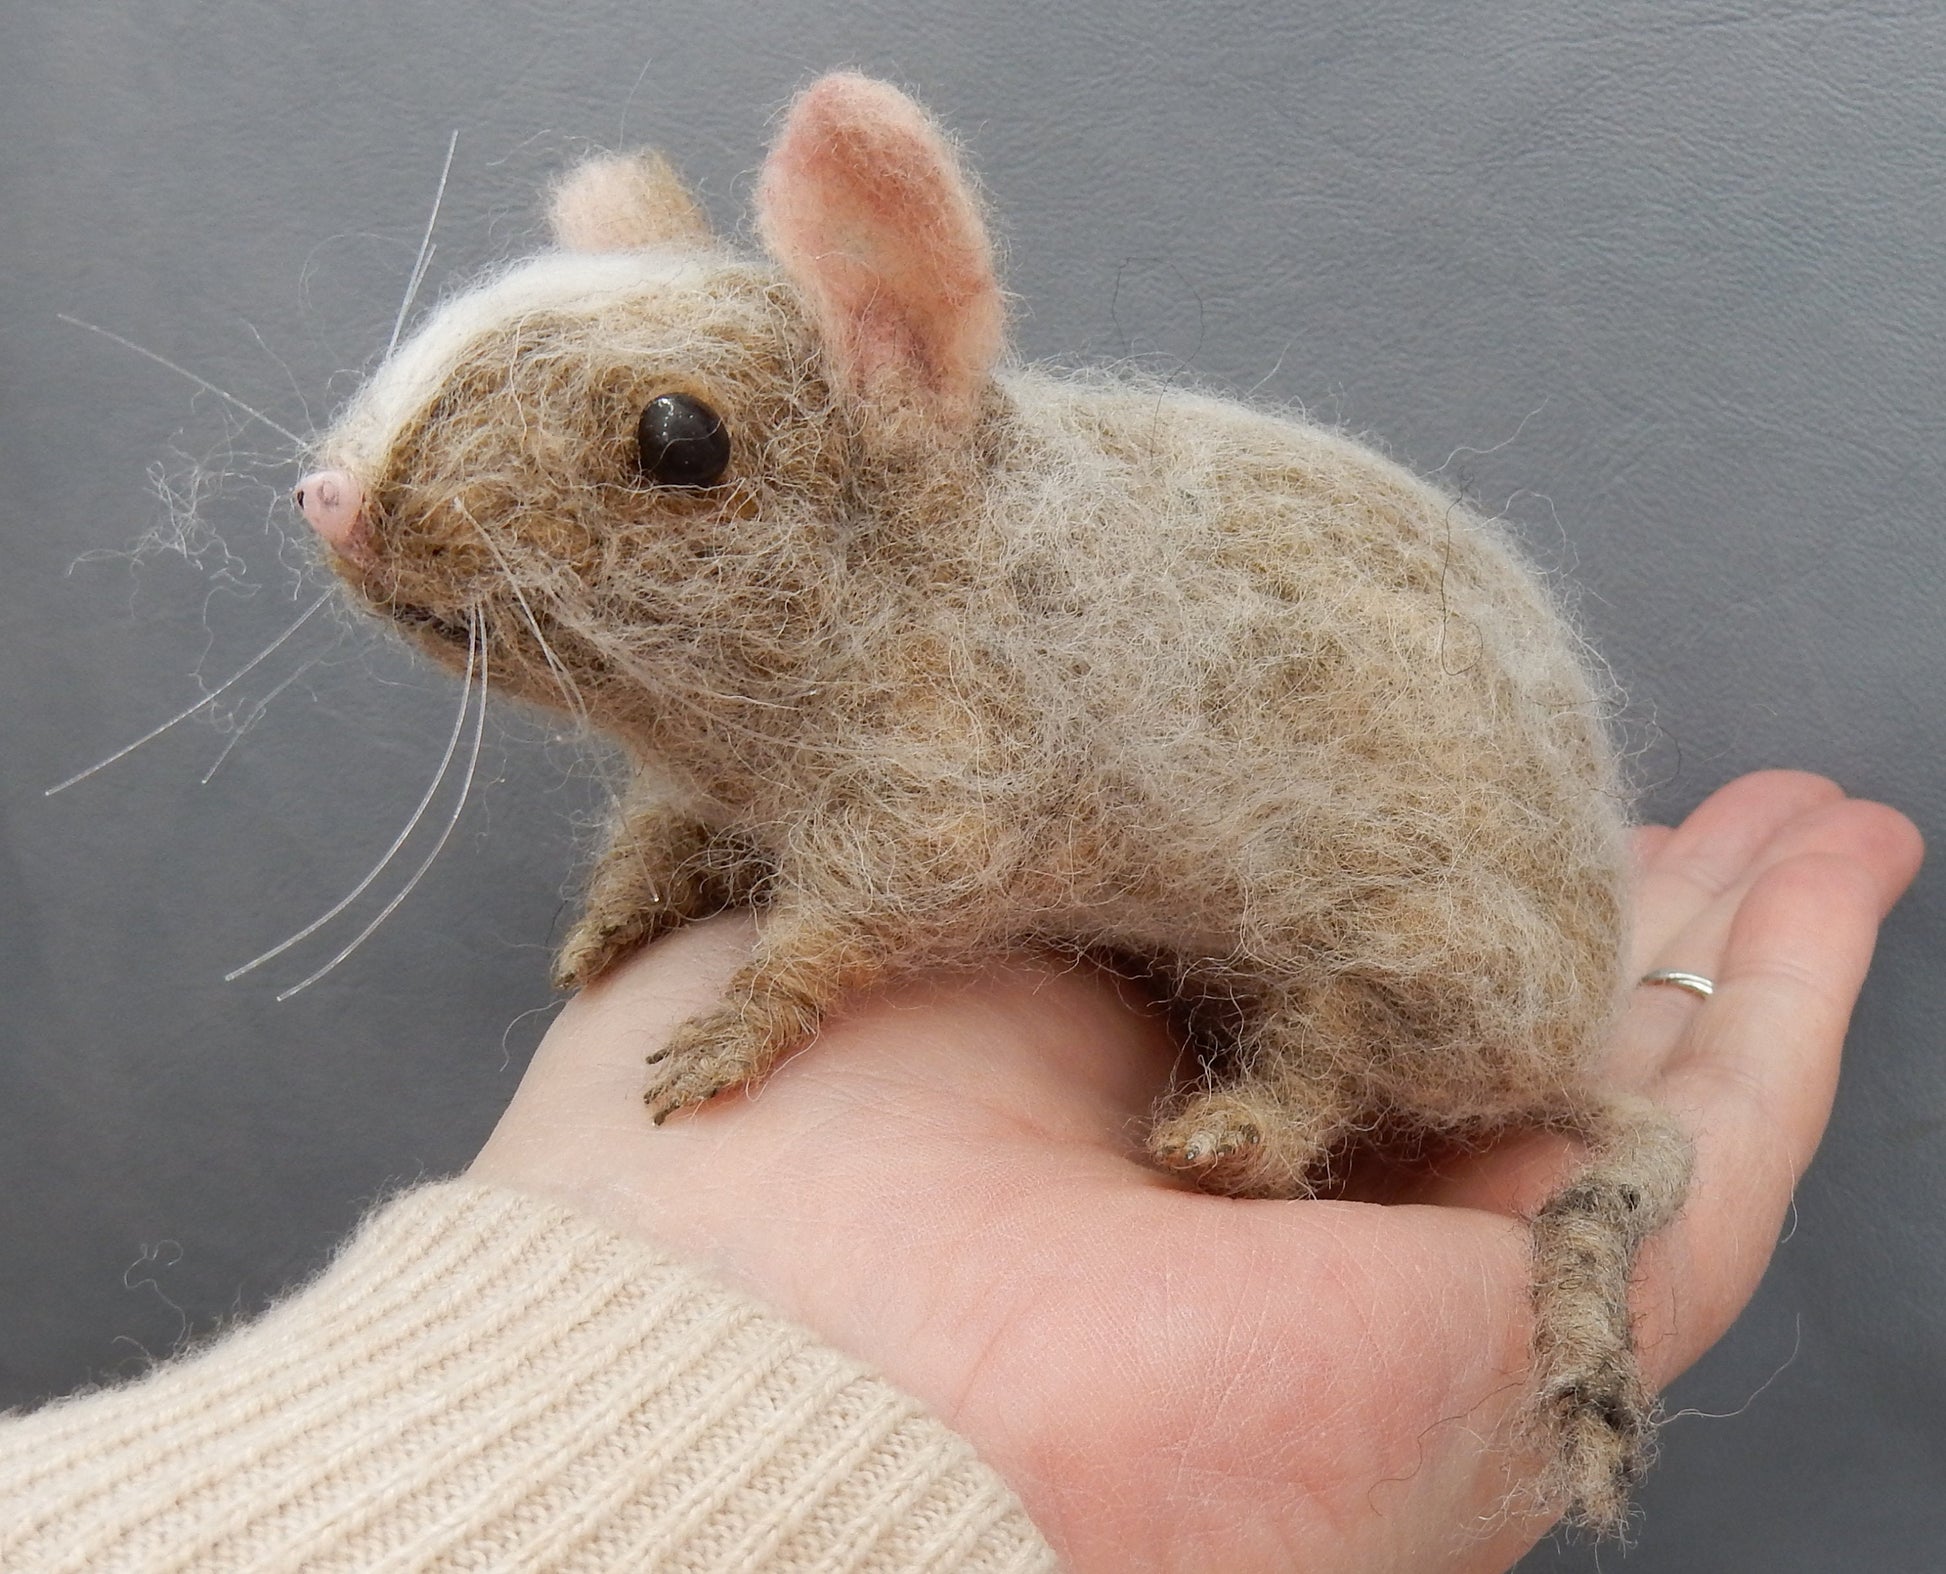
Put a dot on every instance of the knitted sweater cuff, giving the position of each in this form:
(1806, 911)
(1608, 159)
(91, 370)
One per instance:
(483, 1380)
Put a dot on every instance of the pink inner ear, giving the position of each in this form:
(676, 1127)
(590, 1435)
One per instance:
(863, 203)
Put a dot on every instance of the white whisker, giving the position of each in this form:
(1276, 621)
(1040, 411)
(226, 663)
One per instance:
(183, 371)
(587, 627)
(284, 367)
(190, 710)
(411, 825)
(424, 258)
(256, 714)
(561, 679)
(446, 831)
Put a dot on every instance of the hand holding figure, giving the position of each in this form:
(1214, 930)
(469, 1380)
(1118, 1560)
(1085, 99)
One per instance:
(951, 1185)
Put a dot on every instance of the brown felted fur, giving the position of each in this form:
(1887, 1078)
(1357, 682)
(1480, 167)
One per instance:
(957, 657)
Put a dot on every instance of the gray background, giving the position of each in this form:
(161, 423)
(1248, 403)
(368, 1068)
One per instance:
(1661, 282)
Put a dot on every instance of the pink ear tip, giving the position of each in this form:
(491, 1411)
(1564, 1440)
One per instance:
(841, 84)
(332, 500)
(847, 97)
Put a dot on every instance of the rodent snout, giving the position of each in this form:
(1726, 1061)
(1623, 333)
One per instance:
(333, 501)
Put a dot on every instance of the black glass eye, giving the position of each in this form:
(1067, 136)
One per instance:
(681, 441)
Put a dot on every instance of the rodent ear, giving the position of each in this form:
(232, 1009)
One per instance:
(864, 204)
(624, 202)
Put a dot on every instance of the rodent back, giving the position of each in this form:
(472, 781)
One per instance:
(1201, 646)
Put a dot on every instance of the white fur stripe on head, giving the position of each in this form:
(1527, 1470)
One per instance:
(557, 281)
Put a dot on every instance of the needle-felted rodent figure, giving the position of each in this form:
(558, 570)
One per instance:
(929, 656)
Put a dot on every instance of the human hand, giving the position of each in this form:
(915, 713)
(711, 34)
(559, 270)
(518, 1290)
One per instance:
(951, 1186)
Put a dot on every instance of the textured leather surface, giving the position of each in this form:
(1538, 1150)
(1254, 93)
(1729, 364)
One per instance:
(1661, 281)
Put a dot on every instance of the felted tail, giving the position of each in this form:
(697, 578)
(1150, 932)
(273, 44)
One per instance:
(1590, 1397)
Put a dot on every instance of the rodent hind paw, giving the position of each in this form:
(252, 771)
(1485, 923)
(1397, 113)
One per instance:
(1217, 1149)
(1231, 1143)
(1204, 1144)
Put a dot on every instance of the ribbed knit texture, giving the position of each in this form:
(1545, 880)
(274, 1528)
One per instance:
(484, 1381)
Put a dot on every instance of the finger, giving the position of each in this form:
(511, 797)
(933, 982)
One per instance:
(1659, 1015)
(1645, 845)
(1754, 1083)
(1517, 1174)
(1753, 1087)
(1714, 847)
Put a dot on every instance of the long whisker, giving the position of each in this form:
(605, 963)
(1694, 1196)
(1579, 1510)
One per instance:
(190, 710)
(588, 629)
(255, 715)
(411, 825)
(283, 366)
(183, 371)
(446, 831)
(425, 247)
(562, 681)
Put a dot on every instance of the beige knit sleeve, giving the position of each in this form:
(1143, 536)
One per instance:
(484, 1381)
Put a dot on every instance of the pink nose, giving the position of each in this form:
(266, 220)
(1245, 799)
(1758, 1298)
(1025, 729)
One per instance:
(332, 500)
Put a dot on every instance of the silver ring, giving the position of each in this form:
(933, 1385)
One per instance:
(1676, 978)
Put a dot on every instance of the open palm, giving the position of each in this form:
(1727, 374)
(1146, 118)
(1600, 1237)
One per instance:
(951, 1185)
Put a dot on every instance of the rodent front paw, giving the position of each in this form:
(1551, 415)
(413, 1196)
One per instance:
(707, 1056)
(599, 941)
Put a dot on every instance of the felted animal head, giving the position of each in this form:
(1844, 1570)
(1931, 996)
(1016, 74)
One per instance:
(641, 445)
